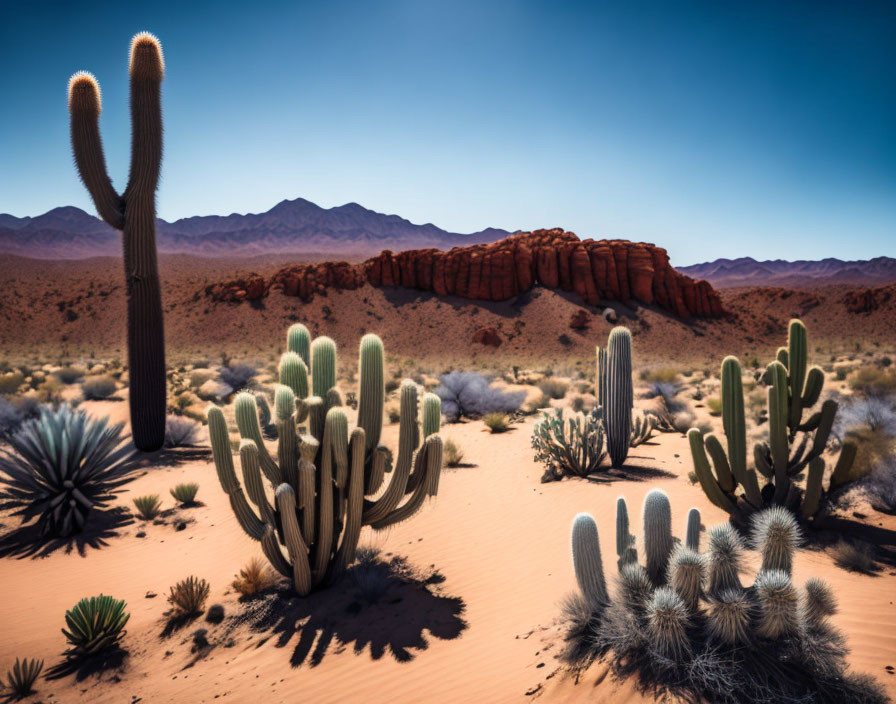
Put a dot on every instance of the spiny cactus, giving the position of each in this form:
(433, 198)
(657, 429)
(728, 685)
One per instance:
(571, 446)
(642, 429)
(658, 541)
(625, 541)
(133, 212)
(696, 631)
(794, 445)
(588, 565)
(692, 530)
(322, 472)
(618, 395)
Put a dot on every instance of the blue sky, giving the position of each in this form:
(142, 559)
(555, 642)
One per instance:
(711, 128)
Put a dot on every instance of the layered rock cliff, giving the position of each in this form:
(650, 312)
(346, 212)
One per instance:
(596, 270)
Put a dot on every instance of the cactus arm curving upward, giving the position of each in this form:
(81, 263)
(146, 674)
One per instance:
(133, 213)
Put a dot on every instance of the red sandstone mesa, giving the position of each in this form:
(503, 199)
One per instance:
(594, 269)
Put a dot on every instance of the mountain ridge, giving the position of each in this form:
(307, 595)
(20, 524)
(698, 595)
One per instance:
(291, 226)
(747, 271)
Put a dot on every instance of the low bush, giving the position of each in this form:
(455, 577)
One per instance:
(471, 395)
(855, 557)
(187, 597)
(70, 374)
(185, 493)
(10, 382)
(452, 453)
(148, 507)
(254, 578)
(572, 446)
(553, 387)
(873, 381)
(181, 432)
(496, 422)
(237, 376)
(97, 388)
(663, 375)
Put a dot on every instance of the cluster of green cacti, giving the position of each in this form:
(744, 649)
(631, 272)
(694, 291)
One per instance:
(322, 473)
(134, 213)
(615, 397)
(679, 588)
(794, 445)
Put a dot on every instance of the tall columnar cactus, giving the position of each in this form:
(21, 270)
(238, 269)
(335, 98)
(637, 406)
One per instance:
(132, 212)
(697, 615)
(692, 530)
(322, 471)
(795, 446)
(658, 543)
(618, 395)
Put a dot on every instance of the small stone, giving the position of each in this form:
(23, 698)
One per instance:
(151, 595)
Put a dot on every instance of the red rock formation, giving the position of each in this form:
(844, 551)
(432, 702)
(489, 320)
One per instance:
(869, 299)
(487, 336)
(250, 288)
(595, 270)
(580, 320)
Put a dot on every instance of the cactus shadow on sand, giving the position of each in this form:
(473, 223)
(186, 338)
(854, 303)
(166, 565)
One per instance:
(392, 618)
(26, 540)
(629, 472)
(110, 661)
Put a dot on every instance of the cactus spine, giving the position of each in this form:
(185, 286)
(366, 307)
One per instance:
(320, 479)
(793, 444)
(133, 213)
(619, 395)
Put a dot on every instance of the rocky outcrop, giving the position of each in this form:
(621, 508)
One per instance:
(593, 269)
(870, 299)
(487, 336)
(249, 288)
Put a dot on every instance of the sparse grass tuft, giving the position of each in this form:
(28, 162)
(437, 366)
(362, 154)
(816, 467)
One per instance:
(855, 557)
(187, 597)
(452, 453)
(21, 677)
(97, 388)
(496, 422)
(185, 494)
(148, 507)
(254, 578)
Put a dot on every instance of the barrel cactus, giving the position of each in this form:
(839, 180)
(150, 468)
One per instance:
(795, 446)
(685, 623)
(133, 212)
(322, 471)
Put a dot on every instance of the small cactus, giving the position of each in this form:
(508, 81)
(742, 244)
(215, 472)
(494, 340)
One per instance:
(726, 550)
(692, 530)
(777, 536)
(587, 562)
(778, 604)
(667, 622)
(687, 570)
(658, 541)
(729, 615)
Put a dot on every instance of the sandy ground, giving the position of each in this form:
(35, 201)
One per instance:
(488, 633)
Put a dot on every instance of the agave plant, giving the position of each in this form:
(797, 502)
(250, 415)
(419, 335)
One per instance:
(95, 624)
(574, 446)
(62, 465)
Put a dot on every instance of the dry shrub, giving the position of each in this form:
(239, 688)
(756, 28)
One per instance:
(187, 597)
(254, 578)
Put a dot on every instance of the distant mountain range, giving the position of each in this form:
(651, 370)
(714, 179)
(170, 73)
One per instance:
(293, 226)
(746, 271)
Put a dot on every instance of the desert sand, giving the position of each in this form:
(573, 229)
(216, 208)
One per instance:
(491, 553)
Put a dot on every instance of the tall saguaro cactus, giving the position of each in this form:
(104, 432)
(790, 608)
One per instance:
(322, 472)
(618, 394)
(133, 213)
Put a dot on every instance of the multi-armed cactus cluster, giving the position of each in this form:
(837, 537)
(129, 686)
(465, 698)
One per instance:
(134, 213)
(684, 621)
(322, 472)
(795, 446)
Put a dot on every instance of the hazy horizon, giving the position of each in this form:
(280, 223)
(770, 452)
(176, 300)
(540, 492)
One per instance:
(711, 130)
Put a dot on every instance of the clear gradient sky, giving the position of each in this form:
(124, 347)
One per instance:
(711, 128)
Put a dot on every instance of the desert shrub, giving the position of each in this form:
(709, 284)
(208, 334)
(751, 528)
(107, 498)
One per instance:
(393, 412)
(95, 624)
(572, 446)
(198, 377)
(61, 488)
(553, 387)
(97, 388)
(536, 404)
(879, 485)
(853, 556)
(254, 578)
(870, 423)
(185, 493)
(470, 395)
(496, 422)
(687, 629)
(714, 405)
(370, 575)
(21, 678)
(672, 413)
(10, 383)
(187, 597)
(664, 375)
(70, 374)
(148, 506)
(392, 385)
(452, 453)
(873, 381)
(237, 376)
(14, 411)
(181, 432)
(50, 391)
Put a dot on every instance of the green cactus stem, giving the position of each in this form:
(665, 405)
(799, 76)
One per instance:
(587, 561)
(619, 395)
(133, 213)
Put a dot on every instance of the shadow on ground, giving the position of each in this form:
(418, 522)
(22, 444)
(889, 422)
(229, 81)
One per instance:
(101, 526)
(383, 606)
